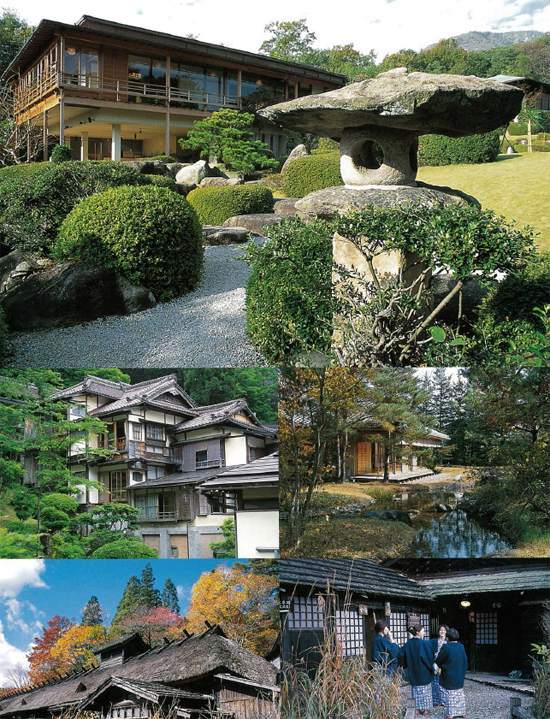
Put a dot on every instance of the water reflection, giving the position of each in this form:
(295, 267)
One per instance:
(455, 535)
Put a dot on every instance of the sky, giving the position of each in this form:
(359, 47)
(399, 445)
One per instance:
(34, 590)
(382, 25)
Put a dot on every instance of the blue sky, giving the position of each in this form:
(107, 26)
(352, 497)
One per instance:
(382, 25)
(32, 591)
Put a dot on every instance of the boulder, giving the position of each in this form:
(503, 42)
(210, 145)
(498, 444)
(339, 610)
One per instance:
(298, 151)
(340, 200)
(285, 207)
(191, 176)
(69, 294)
(220, 181)
(17, 266)
(174, 167)
(214, 235)
(254, 223)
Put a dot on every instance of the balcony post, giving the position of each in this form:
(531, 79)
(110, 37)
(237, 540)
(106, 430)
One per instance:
(45, 135)
(28, 140)
(116, 142)
(61, 119)
(167, 121)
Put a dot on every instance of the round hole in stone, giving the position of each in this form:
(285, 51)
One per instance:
(413, 156)
(368, 154)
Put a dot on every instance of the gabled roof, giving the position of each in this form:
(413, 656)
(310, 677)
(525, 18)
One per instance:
(224, 413)
(263, 471)
(93, 385)
(46, 29)
(122, 642)
(177, 663)
(359, 576)
(150, 691)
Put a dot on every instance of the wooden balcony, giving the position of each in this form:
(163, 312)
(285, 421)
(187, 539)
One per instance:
(151, 514)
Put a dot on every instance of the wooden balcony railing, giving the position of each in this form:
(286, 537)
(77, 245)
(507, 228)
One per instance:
(151, 514)
(208, 463)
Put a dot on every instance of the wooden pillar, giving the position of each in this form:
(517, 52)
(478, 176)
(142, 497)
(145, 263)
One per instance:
(61, 119)
(28, 140)
(167, 121)
(45, 135)
(116, 142)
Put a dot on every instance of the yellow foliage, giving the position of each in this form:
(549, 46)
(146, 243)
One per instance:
(74, 649)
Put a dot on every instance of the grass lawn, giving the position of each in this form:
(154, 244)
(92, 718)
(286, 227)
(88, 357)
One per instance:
(353, 538)
(515, 186)
(534, 549)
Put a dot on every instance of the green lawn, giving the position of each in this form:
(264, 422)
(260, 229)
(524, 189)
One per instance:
(515, 186)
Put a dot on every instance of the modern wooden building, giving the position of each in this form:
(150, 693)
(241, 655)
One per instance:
(199, 677)
(496, 605)
(158, 451)
(117, 91)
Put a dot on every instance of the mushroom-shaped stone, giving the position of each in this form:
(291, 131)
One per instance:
(378, 121)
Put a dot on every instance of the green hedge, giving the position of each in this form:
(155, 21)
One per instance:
(289, 298)
(470, 150)
(308, 174)
(126, 548)
(536, 146)
(150, 235)
(62, 153)
(214, 205)
(34, 202)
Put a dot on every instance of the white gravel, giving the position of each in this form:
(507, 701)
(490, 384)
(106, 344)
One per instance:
(205, 328)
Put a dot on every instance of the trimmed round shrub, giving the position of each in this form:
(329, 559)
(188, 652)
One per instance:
(127, 548)
(161, 181)
(33, 204)
(149, 234)
(214, 205)
(61, 153)
(289, 292)
(312, 173)
(470, 150)
(62, 502)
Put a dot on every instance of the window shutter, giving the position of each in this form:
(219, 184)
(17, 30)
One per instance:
(204, 507)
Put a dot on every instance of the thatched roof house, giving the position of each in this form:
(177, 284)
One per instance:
(181, 678)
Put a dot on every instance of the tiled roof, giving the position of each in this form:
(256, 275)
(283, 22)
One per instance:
(360, 576)
(223, 413)
(177, 479)
(512, 578)
(261, 471)
(93, 385)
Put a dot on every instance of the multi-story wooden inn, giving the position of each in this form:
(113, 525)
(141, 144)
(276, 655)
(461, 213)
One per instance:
(497, 605)
(186, 468)
(118, 91)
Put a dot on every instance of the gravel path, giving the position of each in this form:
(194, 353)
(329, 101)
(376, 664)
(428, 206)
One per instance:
(482, 702)
(205, 328)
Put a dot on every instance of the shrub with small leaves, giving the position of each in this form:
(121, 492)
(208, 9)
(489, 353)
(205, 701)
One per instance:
(161, 181)
(61, 153)
(150, 235)
(311, 173)
(473, 149)
(127, 548)
(214, 205)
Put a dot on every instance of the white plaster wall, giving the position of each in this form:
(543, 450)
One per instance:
(257, 530)
(235, 451)
(210, 520)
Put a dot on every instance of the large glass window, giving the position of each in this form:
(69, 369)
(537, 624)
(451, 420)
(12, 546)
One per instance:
(192, 83)
(81, 67)
(118, 482)
(154, 431)
(146, 69)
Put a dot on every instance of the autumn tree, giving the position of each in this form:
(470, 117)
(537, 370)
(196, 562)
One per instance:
(92, 614)
(170, 597)
(152, 624)
(73, 651)
(241, 601)
(43, 666)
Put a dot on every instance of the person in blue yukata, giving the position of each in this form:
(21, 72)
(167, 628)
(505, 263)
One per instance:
(417, 657)
(454, 665)
(437, 644)
(384, 649)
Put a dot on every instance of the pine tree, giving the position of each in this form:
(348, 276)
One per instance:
(130, 601)
(149, 595)
(92, 614)
(170, 597)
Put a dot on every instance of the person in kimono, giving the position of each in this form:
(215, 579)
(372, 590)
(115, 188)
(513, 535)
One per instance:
(437, 644)
(417, 657)
(384, 649)
(454, 664)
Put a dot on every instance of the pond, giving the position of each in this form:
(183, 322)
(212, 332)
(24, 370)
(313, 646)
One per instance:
(456, 535)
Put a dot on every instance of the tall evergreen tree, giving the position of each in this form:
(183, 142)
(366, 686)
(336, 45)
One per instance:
(130, 601)
(170, 597)
(92, 614)
(149, 595)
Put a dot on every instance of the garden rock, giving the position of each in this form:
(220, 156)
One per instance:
(254, 223)
(68, 294)
(298, 151)
(220, 181)
(285, 207)
(174, 167)
(214, 235)
(391, 515)
(16, 267)
(192, 175)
